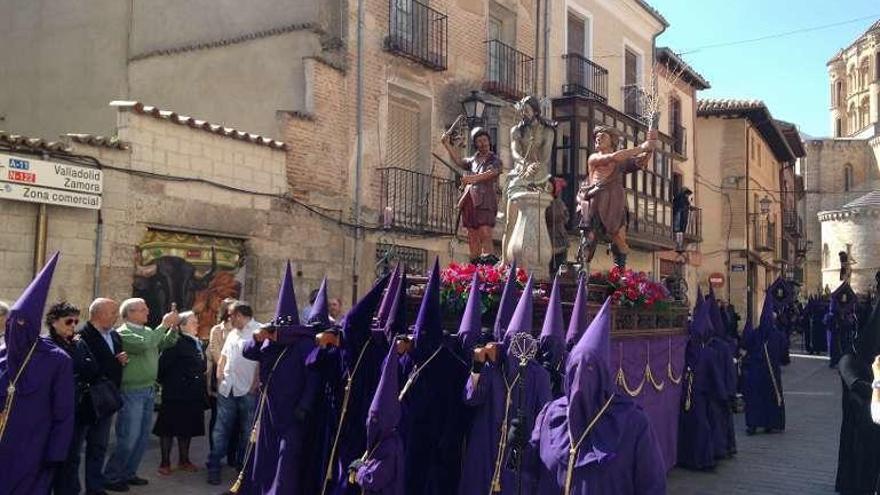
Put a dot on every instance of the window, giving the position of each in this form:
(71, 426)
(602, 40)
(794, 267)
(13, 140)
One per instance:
(631, 67)
(632, 98)
(847, 177)
(826, 256)
(839, 93)
(578, 34)
(409, 128)
(502, 24)
(877, 67)
(838, 129)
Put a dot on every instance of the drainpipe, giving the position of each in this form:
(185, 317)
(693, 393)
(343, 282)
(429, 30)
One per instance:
(663, 27)
(96, 273)
(749, 282)
(359, 154)
(546, 44)
(537, 45)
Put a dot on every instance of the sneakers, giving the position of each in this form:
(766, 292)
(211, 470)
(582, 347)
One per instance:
(213, 477)
(136, 481)
(117, 486)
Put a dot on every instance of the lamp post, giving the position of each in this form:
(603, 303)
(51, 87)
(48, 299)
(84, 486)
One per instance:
(473, 107)
(763, 209)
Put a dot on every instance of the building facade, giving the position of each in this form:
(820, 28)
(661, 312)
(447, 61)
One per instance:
(743, 154)
(852, 229)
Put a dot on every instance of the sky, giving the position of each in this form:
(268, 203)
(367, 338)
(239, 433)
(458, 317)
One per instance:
(788, 72)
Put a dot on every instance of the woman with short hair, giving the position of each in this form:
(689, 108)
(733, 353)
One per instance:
(184, 395)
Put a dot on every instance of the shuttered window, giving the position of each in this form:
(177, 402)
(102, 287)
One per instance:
(404, 148)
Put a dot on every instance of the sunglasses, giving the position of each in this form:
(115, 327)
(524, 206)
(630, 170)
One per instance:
(71, 321)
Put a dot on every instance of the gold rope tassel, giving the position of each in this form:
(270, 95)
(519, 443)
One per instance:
(10, 391)
(690, 391)
(573, 450)
(772, 376)
(342, 413)
(502, 442)
(621, 379)
(255, 430)
(669, 372)
(650, 374)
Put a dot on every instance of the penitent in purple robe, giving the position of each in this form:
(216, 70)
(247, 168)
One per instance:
(762, 384)
(40, 421)
(500, 393)
(363, 352)
(382, 470)
(723, 391)
(551, 352)
(433, 421)
(619, 455)
(276, 463)
(506, 305)
(695, 438)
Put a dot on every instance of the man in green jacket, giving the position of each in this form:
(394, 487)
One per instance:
(142, 344)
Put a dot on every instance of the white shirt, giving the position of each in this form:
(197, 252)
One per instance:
(108, 339)
(238, 373)
(875, 412)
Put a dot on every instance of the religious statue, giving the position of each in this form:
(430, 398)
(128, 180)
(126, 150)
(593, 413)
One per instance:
(681, 205)
(531, 145)
(478, 203)
(601, 197)
(846, 263)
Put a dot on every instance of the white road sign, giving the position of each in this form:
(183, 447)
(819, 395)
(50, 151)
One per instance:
(37, 194)
(29, 171)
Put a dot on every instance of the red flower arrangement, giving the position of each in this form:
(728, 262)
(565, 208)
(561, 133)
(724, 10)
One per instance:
(633, 289)
(455, 284)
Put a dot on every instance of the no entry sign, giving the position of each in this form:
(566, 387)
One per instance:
(716, 279)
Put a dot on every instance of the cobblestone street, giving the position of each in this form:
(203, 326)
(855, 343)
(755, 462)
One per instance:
(800, 461)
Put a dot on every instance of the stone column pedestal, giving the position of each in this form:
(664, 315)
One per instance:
(529, 242)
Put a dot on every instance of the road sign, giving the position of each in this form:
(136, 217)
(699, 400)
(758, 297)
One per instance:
(737, 268)
(36, 194)
(56, 175)
(716, 279)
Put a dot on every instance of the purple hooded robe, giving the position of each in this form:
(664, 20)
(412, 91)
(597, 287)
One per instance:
(433, 421)
(288, 391)
(619, 455)
(40, 422)
(488, 393)
(724, 390)
(382, 470)
(762, 384)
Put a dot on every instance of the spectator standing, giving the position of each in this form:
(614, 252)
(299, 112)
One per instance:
(217, 338)
(184, 394)
(142, 344)
(236, 391)
(556, 217)
(93, 428)
(306, 311)
(335, 309)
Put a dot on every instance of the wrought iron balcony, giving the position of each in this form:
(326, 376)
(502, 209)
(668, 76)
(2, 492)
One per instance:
(508, 71)
(679, 140)
(694, 231)
(793, 224)
(416, 202)
(649, 222)
(764, 236)
(417, 32)
(634, 100)
(583, 77)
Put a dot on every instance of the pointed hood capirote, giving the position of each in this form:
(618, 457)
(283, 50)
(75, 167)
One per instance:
(385, 413)
(25, 318)
(286, 312)
(387, 299)
(395, 324)
(428, 332)
(356, 323)
(579, 316)
(588, 377)
(521, 321)
(781, 292)
(471, 321)
(717, 329)
(319, 316)
(506, 305)
(552, 338)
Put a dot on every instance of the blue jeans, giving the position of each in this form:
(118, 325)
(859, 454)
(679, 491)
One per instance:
(132, 432)
(232, 412)
(95, 437)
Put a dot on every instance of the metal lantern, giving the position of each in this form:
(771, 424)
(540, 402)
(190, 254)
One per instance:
(473, 107)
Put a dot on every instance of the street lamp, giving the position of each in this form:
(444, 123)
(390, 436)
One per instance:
(473, 107)
(765, 205)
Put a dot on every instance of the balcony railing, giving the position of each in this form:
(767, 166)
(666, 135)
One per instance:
(634, 102)
(694, 231)
(649, 222)
(764, 236)
(793, 224)
(417, 202)
(679, 139)
(508, 71)
(583, 77)
(417, 32)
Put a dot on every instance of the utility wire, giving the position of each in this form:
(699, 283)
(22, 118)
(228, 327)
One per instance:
(779, 35)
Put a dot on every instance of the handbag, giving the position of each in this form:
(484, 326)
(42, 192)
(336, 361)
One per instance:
(104, 398)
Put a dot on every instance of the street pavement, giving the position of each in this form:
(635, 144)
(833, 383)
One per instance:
(800, 461)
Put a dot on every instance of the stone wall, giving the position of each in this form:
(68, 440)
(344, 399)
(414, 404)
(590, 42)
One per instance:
(823, 173)
(854, 230)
